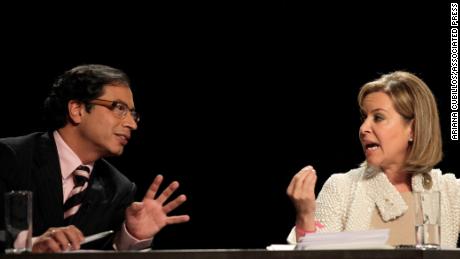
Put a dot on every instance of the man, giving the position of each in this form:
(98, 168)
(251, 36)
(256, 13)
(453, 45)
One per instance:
(91, 114)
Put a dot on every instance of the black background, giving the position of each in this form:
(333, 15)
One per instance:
(235, 98)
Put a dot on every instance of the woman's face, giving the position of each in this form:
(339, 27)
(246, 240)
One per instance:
(384, 133)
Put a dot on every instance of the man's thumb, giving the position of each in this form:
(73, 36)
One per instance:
(136, 206)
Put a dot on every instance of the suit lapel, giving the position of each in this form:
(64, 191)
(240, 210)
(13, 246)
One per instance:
(48, 179)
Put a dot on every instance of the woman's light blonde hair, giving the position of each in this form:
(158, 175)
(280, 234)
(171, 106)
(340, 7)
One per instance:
(414, 101)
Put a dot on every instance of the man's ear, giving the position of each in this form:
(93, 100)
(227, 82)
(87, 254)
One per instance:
(75, 111)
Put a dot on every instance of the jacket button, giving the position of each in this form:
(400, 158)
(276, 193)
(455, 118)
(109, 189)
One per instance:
(427, 181)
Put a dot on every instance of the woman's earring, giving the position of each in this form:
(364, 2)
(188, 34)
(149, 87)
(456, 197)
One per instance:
(411, 140)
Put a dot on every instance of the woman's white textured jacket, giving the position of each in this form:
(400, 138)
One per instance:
(346, 201)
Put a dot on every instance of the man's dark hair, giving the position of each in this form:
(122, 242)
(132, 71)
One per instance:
(83, 83)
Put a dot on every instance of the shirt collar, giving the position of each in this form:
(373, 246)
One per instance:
(68, 160)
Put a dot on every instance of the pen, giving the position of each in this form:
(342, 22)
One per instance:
(97, 236)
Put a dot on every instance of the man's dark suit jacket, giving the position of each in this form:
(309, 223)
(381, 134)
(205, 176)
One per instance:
(31, 163)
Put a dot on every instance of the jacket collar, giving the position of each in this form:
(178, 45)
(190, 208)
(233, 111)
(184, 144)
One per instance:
(388, 200)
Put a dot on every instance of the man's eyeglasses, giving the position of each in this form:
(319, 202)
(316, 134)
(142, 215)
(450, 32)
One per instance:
(121, 109)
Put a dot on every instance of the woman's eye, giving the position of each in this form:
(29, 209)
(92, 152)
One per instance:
(378, 118)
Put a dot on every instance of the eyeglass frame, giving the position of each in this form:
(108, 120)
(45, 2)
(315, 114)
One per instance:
(115, 105)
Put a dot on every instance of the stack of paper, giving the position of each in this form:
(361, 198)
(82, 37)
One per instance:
(280, 247)
(369, 239)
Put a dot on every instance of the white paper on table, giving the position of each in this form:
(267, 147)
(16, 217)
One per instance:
(368, 239)
(280, 247)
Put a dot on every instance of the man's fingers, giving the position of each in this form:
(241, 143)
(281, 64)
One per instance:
(177, 219)
(66, 238)
(50, 244)
(60, 238)
(74, 236)
(168, 192)
(152, 191)
(174, 204)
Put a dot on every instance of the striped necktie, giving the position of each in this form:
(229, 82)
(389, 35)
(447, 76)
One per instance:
(73, 203)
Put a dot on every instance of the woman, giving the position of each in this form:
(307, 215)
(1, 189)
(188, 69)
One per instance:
(401, 138)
